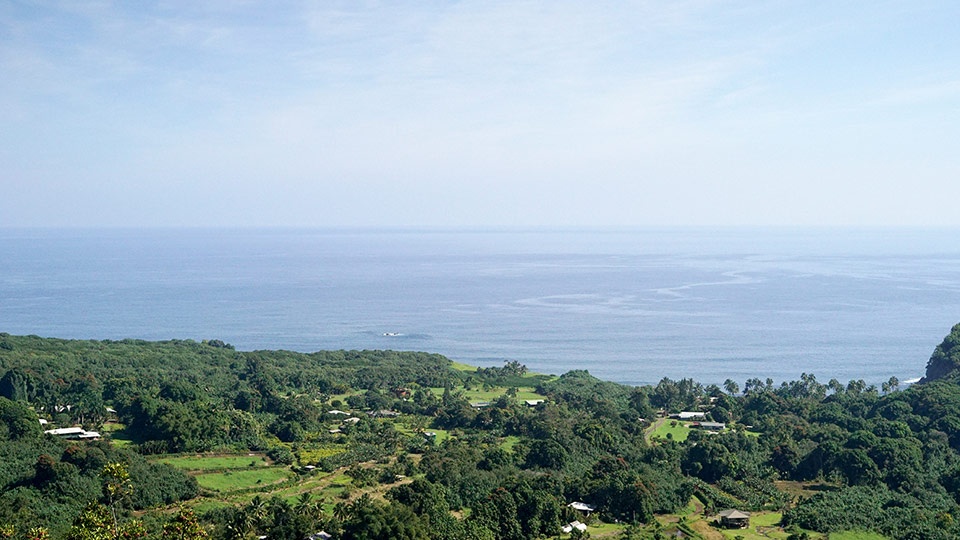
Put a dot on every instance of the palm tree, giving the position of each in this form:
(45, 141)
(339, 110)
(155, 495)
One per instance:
(342, 511)
(303, 502)
(257, 510)
(241, 524)
(307, 507)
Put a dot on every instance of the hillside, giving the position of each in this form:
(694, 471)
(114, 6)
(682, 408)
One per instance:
(385, 444)
(945, 360)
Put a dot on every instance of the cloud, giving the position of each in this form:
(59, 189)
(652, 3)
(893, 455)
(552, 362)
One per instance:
(601, 112)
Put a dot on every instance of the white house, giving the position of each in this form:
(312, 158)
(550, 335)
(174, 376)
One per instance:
(574, 525)
(73, 433)
(581, 506)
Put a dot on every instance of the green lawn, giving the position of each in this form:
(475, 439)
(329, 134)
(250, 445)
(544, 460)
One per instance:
(120, 438)
(600, 528)
(242, 479)
(764, 526)
(459, 366)
(210, 463)
(679, 430)
(856, 535)
(766, 520)
(509, 442)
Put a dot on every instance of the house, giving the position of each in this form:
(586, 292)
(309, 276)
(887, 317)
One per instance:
(734, 519)
(690, 415)
(73, 433)
(351, 420)
(710, 426)
(479, 404)
(582, 507)
(534, 402)
(322, 535)
(574, 525)
(339, 412)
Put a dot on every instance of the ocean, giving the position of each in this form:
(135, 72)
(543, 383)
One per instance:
(628, 305)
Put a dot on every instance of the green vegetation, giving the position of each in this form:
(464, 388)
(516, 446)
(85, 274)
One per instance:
(207, 463)
(491, 393)
(241, 479)
(383, 444)
(850, 535)
(671, 429)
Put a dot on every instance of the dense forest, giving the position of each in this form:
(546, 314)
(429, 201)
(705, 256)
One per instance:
(191, 439)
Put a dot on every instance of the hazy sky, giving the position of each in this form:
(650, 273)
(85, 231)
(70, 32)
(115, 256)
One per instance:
(433, 113)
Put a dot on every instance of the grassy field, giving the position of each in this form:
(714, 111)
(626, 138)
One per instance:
(509, 442)
(213, 463)
(464, 367)
(766, 520)
(241, 479)
(442, 434)
(111, 427)
(604, 530)
(856, 535)
(679, 430)
(120, 438)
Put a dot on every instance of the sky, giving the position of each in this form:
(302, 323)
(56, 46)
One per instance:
(466, 113)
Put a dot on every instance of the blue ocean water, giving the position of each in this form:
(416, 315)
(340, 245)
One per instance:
(631, 306)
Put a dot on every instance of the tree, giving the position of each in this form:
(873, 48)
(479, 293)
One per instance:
(96, 522)
(85, 397)
(17, 421)
(753, 385)
(548, 454)
(856, 386)
(709, 460)
(38, 533)
(499, 513)
(117, 487)
(15, 385)
(666, 395)
(185, 526)
(369, 520)
(731, 387)
(857, 467)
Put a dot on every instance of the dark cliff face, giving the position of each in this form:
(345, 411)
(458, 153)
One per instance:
(945, 360)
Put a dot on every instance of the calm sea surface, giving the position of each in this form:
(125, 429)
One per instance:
(631, 306)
